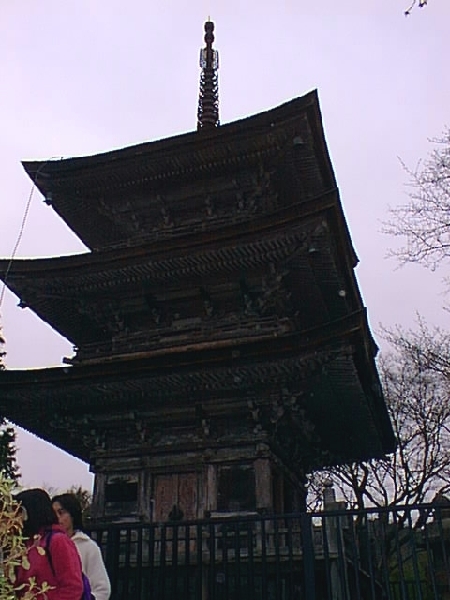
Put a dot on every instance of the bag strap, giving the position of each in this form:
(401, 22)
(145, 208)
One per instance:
(48, 537)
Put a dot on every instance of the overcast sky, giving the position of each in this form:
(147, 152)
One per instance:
(84, 77)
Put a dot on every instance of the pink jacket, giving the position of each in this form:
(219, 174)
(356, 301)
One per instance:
(65, 576)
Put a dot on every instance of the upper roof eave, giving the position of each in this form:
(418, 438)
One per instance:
(50, 173)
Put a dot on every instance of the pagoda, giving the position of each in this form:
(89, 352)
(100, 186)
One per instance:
(221, 346)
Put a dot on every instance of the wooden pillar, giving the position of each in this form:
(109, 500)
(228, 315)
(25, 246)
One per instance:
(145, 507)
(98, 497)
(263, 484)
(210, 496)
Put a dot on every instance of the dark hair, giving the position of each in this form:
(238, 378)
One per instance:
(39, 509)
(71, 503)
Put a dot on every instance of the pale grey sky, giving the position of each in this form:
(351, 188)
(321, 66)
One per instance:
(84, 77)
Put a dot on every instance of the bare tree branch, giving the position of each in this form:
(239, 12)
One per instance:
(424, 221)
(2, 351)
(419, 3)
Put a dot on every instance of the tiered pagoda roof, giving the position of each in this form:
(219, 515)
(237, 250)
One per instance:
(219, 282)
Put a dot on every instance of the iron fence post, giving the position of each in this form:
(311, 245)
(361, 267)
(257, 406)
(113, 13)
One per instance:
(308, 556)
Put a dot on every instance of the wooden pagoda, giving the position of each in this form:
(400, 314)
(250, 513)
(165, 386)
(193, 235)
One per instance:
(221, 347)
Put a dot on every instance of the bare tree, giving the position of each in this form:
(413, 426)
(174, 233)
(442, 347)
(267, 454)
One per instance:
(2, 352)
(416, 383)
(83, 496)
(428, 346)
(419, 3)
(424, 221)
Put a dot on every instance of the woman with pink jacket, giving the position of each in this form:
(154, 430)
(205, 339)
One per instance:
(52, 556)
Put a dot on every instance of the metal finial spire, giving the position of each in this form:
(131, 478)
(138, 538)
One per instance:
(208, 102)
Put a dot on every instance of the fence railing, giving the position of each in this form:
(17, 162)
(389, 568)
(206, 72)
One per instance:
(384, 554)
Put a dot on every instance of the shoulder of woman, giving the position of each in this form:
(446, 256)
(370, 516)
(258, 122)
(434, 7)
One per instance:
(58, 539)
(81, 536)
(83, 540)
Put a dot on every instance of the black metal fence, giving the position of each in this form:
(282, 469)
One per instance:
(392, 554)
